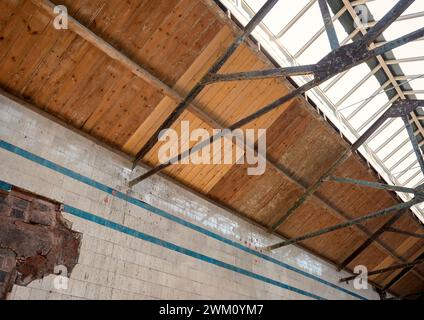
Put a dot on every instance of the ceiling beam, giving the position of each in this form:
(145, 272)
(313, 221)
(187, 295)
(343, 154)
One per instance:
(335, 62)
(388, 269)
(375, 215)
(136, 69)
(399, 108)
(113, 53)
(195, 91)
(414, 142)
(371, 239)
(380, 59)
(401, 274)
(143, 74)
(328, 23)
(372, 184)
(406, 233)
(401, 18)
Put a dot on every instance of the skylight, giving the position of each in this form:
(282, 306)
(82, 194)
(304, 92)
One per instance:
(294, 34)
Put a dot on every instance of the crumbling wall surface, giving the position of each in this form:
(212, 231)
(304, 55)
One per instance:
(34, 239)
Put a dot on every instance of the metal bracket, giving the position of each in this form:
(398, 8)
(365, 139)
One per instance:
(403, 108)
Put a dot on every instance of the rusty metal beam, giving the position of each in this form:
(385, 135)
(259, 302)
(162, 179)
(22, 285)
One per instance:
(391, 268)
(236, 125)
(387, 20)
(406, 233)
(328, 23)
(417, 296)
(378, 214)
(337, 61)
(401, 274)
(310, 191)
(371, 239)
(398, 109)
(371, 184)
(261, 74)
(414, 142)
(256, 20)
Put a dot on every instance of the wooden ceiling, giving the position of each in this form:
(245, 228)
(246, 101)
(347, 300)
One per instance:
(110, 95)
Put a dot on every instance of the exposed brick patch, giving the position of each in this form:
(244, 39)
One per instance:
(4, 209)
(20, 203)
(34, 238)
(18, 214)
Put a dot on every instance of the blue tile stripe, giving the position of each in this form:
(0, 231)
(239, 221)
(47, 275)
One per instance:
(168, 245)
(72, 174)
(5, 186)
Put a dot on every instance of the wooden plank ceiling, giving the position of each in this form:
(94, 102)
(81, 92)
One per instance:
(177, 41)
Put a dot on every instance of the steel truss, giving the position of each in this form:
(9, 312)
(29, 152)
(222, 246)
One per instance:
(399, 109)
(341, 59)
(338, 61)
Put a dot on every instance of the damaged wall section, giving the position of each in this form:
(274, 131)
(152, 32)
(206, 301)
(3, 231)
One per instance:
(34, 239)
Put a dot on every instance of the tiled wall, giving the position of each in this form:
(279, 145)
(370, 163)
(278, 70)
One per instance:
(158, 241)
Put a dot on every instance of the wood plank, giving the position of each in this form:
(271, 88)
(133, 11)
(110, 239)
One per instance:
(187, 81)
(12, 65)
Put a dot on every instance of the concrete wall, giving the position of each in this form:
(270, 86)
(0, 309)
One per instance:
(158, 241)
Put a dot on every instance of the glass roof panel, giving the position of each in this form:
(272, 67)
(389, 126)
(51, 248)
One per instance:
(294, 34)
(353, 76)
(297, 36)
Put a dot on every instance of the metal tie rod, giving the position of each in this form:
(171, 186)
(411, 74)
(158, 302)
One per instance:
(398, 109)
(256, 20)
(371, 184)
(347, 224)
(392, 268)
(329, 67)
(328, 23)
